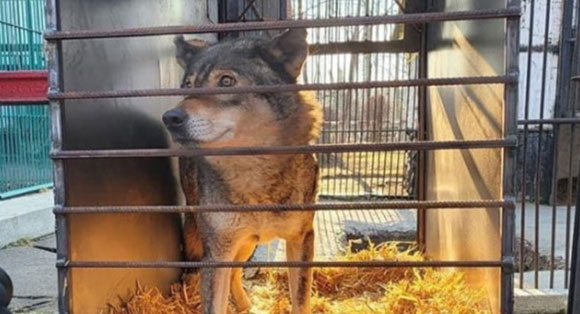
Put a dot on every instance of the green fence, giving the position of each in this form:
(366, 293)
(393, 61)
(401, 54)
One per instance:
(21, 27)
(25, 143)
(24, 129)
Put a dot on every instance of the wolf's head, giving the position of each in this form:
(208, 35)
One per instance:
(244, 119)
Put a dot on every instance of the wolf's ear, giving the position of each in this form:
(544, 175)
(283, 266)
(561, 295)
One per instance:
(291, 50)
(186, 50)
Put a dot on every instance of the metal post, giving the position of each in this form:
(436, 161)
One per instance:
(422, 135)
(564, 60)
(574, 289)
(55, 84)
(509, 163)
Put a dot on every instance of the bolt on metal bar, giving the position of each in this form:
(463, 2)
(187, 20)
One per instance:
(412, 18)
(284, 150)
(395, 205)
(292, 264)
(476, 80)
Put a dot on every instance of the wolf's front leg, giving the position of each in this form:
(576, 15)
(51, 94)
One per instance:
(240, 297)
(300, 279)
(215, 282)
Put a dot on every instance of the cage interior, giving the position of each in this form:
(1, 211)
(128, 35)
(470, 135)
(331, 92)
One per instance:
(338, 54)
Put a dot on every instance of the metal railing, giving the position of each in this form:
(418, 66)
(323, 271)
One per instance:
(548, 155)
(24, 147)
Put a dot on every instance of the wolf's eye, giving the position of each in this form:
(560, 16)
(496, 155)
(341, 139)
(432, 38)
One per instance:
(188, 83)
(226, 81)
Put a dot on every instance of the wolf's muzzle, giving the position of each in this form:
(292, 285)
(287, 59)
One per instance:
(174, 119)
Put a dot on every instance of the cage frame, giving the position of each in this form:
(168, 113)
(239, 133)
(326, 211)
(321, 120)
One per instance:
(54, 37)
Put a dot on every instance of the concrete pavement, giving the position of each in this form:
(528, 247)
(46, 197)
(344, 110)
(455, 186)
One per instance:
(33, 274)
(26, 217)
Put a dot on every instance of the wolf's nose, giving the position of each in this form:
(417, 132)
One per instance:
(174, 118)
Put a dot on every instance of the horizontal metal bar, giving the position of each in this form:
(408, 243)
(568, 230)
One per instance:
(293, 264)
(23, 87)
(25, 190)
(285, 150)
(550, 121)
(504, 79)
(413, 18)
(395, 205)
(34, 31)
(397, 46)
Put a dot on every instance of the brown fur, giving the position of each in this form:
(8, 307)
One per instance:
(264, 179)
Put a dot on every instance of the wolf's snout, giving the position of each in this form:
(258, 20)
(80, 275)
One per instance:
(174, 118)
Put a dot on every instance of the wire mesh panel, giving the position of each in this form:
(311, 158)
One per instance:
(370, 115)
(361, 115)
(21, 26)
(24, 128)
(24, 146)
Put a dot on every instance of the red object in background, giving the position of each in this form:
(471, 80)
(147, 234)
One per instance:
(23, 86)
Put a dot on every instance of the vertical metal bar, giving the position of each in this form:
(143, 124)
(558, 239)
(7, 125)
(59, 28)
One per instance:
(283, 15)
(422, 135)
(345, 116)
(574, 290)
(402, 126)
(573, 100)
(30, 35)
(55, 82)
(537, 177)
(415, 90)
(565, 59)
(509, 159)
(569, 206)
(525, 141)
(556, 132)
(396, 96)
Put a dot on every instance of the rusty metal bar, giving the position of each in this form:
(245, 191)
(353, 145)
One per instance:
(284, 150)
(572, 101)
(503, 79)
(395, 205)
(508, 241)
(64, 264)
(412, 18)
(363, 47)
(55, 84)
(550, 121)
(525, 141)
(422, 135)
(537, 177)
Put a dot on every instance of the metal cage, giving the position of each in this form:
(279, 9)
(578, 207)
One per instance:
(362, 136)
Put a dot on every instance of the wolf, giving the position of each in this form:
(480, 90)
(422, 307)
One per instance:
(252, 119)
